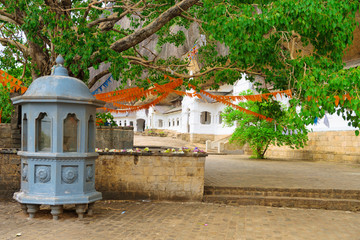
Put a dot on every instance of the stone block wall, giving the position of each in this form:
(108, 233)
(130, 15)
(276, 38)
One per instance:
(9, 174)
(200, 138)
(156, 177)
(335, 146)
(10, 135)
(5, 133)
(114, 137)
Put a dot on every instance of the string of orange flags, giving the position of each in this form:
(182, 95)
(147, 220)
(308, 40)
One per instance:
(226, 102)
(135, 93)
(15, 83)
(131, 94)
(135, 108)
(337, 98)
(118, 97)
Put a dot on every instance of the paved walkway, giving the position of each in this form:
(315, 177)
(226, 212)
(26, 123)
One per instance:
(138, 220)
(240, 171)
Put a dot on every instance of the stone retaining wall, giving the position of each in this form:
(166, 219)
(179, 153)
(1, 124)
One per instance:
(130, 176)
(157, 176)
(335, 146)
(5, 133)
(200, 138)
(114, 137)
(9, 174)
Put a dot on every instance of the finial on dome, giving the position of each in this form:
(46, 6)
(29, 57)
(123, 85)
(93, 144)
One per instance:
(59, 70)
(60, 60)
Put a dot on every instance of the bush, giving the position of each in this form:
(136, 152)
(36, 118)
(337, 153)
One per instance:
(286, 129)
(105, 119)
(6, 107)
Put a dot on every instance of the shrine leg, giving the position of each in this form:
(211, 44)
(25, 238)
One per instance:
(32, 209)
(80, 210)
(56, 210)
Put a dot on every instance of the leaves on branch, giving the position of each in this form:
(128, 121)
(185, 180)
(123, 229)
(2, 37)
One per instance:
(290, 44)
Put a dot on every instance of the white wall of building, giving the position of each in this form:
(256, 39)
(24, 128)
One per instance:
(191, 115)
(336, 123)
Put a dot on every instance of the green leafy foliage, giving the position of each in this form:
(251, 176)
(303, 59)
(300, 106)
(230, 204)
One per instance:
(291, 44)
(105, 119)
(259, 133)
(6, 107)
(261, 35)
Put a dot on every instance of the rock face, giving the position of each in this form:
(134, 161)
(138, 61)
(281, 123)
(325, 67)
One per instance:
(149, 48)
(353, 52)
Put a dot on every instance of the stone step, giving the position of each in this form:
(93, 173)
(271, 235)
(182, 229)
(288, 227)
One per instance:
(290, 202)
(283, 192)
(215, 153)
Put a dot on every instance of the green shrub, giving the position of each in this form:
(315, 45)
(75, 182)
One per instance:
(6, 107)
(285, 129)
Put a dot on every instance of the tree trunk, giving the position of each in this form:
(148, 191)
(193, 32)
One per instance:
(41, 59)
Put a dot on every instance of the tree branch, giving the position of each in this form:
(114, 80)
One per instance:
(108, 19)
(7, 17)
(113, 18)
(21, 47)
(147, 64)
(190, 18)
(145, 32)
(97, 77)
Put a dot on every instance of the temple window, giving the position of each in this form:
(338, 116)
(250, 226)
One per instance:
(205, 117)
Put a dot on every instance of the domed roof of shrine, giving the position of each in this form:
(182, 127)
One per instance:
(58, 86)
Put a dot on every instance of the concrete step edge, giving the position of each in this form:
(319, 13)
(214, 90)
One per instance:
(280, 192)
(308, 203)
(280, 198)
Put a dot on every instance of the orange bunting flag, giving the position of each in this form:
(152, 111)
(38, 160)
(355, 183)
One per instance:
(224, 101)
(337, 98)
(126, 108)
(15, 83)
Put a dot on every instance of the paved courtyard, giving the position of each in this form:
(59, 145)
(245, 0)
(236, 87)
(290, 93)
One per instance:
(148, 220)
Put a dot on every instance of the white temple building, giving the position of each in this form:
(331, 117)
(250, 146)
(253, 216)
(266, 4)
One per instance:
(198, 120)
(195, 119)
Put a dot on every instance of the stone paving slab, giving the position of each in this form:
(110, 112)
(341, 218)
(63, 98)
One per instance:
(240, 171)
(154, 220)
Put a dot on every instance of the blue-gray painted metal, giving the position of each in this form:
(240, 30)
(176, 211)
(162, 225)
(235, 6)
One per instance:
(55, 177)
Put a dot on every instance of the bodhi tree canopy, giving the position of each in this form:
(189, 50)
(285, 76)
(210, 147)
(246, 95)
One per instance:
(291, 44)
